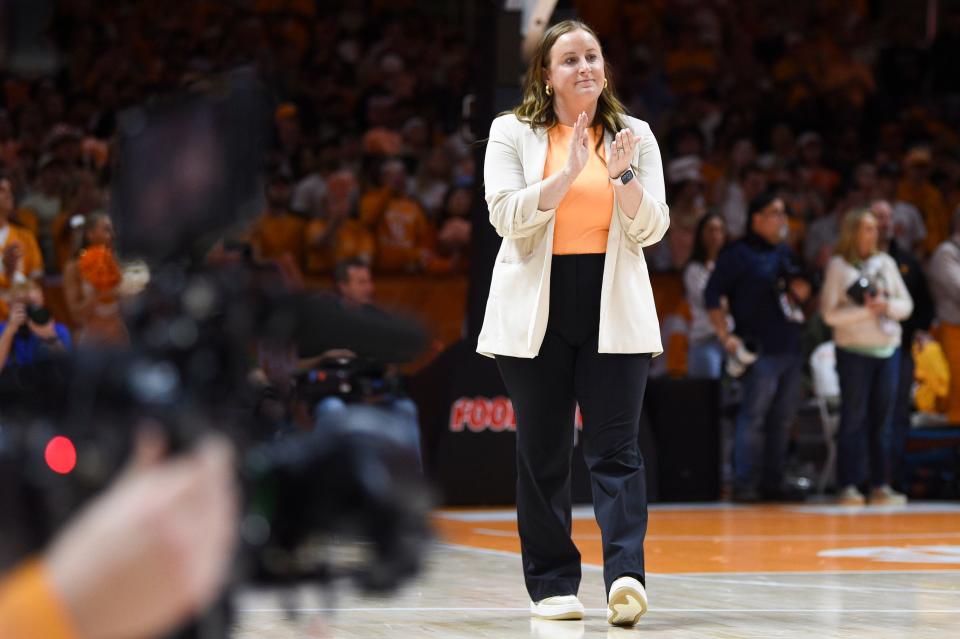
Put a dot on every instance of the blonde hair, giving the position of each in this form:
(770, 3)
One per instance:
(536, 107)
(847, 243)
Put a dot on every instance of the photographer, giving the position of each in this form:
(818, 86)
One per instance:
(864, 299)
(763, 284)
(30, 335)
(142, 558)
(383, 392)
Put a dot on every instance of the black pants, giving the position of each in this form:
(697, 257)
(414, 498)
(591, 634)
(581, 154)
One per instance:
(545, 391)
(901, 418)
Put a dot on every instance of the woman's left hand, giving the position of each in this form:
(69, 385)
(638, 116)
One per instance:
(621, 152)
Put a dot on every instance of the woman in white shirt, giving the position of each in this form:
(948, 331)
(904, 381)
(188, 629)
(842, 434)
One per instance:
(705, 353)
(864, 299)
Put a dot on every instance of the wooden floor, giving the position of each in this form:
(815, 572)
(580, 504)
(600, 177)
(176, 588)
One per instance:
(713, 571)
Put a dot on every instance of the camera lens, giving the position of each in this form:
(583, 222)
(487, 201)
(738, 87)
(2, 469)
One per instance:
(38, 314)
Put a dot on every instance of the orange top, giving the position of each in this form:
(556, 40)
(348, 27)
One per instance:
(31, 264)
(29, 607)
(351, 240)
(402, 231)
(277, 235)
(583, 216)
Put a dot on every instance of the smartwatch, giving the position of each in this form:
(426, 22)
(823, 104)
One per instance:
(624, 177)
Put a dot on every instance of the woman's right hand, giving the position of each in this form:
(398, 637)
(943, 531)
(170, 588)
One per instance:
(579, 147)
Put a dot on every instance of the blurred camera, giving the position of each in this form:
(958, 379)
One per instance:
(38, 314)
(307, 493)
(862, 288)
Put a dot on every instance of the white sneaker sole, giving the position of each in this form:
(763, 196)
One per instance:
(573, 612)
(626, 606)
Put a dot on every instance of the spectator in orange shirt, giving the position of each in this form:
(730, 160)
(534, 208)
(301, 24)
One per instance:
(403, 234)
(21, 259)
(278, 234)
(917, 189)
(336, 237)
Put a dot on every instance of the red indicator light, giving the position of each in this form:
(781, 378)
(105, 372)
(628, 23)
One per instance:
(61, 455)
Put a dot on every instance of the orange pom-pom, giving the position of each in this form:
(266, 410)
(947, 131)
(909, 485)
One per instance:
(99, 267)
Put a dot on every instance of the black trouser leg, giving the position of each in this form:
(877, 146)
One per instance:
(901, 419)
(610, 390)
(541, 390)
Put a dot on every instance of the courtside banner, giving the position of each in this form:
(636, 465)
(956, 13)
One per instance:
(478, 414)
(469, 430)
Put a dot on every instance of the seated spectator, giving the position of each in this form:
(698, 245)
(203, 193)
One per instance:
(738, 194)
(311, 189)
(399, 225)
(944, 274)
(687, 206)
(705, 356)
(279, 234)
(337, 237)
(433, 180)
(21, 259)
(30, 334)
(42, 206)
(917, 189)
(813, 173)
(455, 228)
(821, 236)
(909, 231)
(863, 299)
(94, 304)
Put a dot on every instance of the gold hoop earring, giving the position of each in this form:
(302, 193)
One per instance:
(604, 83)
(549, 90)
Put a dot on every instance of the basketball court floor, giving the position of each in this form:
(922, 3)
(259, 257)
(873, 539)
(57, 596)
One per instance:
(714, 570)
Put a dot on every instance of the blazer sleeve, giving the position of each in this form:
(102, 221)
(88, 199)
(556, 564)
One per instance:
(512, 203)
(653, 218)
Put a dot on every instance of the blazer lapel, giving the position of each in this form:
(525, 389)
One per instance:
(613, 248)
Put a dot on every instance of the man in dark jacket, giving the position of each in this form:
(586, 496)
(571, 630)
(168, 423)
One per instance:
(764, 287)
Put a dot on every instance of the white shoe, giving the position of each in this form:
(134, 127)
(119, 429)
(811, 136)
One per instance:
(626, 603)
(850, 496)
(886, 496)
(547, 629)
(557, 608)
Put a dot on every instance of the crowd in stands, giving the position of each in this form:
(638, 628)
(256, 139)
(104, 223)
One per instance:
(366, 158)
(770, 116)
(832, 106)
(806, 146)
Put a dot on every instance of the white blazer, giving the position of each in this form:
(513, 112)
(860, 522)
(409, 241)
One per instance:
(516, 316)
